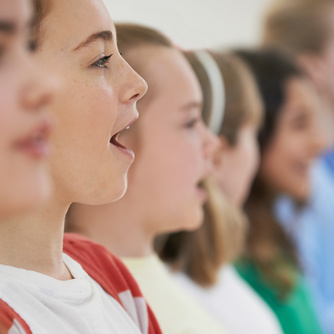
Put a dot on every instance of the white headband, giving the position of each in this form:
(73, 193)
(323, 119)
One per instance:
(217, 88)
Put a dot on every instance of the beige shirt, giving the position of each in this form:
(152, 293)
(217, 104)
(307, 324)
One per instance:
(176, 311)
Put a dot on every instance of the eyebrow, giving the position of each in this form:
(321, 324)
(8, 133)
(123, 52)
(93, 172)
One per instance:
(191, 105)
(7, 27)
(102, 35)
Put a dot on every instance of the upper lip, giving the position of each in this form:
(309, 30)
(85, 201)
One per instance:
(126, 126)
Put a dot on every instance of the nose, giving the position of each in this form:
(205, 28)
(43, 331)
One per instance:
(134, 86)
(40, 86)
(210, 142)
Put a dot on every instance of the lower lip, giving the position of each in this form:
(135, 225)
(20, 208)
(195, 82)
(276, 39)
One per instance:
(37, 151)
(124, 150)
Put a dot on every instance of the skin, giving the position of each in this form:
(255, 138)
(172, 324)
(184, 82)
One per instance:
(24, 124)
(95, 102)
(286, 163)
(173, 154)
(236, 165)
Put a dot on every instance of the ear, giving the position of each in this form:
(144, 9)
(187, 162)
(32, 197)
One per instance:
(219, 154)
(315, 68)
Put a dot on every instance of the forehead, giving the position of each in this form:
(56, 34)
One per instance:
(301, 97)
(74, 20)
(166, 71)
(17, 12)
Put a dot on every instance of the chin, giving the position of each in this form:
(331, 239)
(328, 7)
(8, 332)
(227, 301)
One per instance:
(118, 189)
(104, 194)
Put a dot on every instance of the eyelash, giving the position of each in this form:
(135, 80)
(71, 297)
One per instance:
(191, 124)
(101, 63)
(32, 45)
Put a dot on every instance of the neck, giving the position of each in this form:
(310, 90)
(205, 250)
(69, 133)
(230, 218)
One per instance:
(35, 241)
(113, 225)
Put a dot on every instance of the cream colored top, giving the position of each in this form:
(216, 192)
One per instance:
(234, 303)
(176, 311)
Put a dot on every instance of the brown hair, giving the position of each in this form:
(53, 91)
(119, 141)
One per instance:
(268, 246)
(41, 9)
(134, 35)
(200, 254)
(297, 26)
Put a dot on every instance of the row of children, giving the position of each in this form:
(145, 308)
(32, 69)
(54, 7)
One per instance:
(221, 136)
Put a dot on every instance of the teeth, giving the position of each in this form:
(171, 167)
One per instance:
(127, 128)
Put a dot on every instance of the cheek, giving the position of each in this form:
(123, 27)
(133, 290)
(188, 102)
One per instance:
(180, 165)
(278, 166)
(85, 117)
(9, 96)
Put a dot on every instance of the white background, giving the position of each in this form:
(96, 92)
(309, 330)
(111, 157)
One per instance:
(197, 23)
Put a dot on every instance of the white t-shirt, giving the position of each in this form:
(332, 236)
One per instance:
(176, 311)
(51, 306)
(232, 302)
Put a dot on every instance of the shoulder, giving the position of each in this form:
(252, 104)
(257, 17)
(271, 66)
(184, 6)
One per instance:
(11, 322)
(110, 272)
(99, 263)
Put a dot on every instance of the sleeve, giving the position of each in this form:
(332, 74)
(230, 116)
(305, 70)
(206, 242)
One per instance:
(107, 270)
(11, 322)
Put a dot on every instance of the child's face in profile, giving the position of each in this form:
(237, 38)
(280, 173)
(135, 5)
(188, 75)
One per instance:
(299, 138)
(96, 102)
(173, 146)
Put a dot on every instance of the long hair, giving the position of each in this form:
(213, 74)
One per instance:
(201, 253)
(267, 243)
(41, 9)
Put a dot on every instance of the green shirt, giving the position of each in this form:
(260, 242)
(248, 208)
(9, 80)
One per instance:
(295, 312)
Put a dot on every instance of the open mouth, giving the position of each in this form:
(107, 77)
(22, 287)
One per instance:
(114, 140)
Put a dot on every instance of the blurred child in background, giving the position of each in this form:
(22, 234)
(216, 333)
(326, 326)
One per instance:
(290, 139)
(305, 30)
(233, 109)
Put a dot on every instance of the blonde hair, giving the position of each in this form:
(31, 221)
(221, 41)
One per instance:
(200, 254)
(297, 26)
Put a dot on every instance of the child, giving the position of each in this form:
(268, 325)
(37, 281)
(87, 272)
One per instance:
(42, 288)
(24, 125)
(173, 156)
(290, 140)
(233, 108)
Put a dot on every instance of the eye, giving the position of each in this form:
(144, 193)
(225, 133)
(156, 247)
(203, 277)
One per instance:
(192, 123)
(101, 63)
(32, 45)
